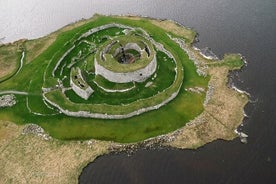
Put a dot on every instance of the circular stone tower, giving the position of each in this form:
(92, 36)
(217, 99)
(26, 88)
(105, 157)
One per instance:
(126, 59)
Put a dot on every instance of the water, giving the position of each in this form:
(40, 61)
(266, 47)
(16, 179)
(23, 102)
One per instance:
(247, 26)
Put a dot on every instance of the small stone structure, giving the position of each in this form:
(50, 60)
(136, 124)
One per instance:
(79, 86)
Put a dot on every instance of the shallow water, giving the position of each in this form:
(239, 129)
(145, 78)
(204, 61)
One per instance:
(247, 26)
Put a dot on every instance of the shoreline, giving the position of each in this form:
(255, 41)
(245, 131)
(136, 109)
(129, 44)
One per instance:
(215, 122)
(167, 141)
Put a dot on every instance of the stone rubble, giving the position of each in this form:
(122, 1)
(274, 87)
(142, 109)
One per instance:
(7, 100)
(209, 94)
(208, 53)
(152, 143)
(36, 130)
(198, 90)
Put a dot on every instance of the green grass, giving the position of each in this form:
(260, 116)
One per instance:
(174, 115)
(234, 61)
(112, 85)
(100, 36)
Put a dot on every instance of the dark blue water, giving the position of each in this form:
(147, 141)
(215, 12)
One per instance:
(247, 27)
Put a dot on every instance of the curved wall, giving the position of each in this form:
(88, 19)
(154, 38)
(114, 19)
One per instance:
(135, 76)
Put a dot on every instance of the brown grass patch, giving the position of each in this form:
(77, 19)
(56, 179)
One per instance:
(9, 60)
(30, 159)
(8, 132)
(38, 46)
(221, 116)
(171, 26)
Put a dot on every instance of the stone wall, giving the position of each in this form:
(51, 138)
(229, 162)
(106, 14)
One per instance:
(135, 76)
(96, 29)
(83, 93)
(61, 59)
(88, 114)
(115, 90)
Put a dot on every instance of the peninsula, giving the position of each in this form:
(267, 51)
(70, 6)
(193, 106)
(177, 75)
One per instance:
(109, 83)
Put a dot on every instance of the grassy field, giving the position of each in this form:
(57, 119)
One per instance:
(184, 107)
(232, 61)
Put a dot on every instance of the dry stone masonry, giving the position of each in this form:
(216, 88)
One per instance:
(83, 90)
(142, 47)
(135, 76)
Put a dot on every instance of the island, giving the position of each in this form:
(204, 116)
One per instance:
(110, 84)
